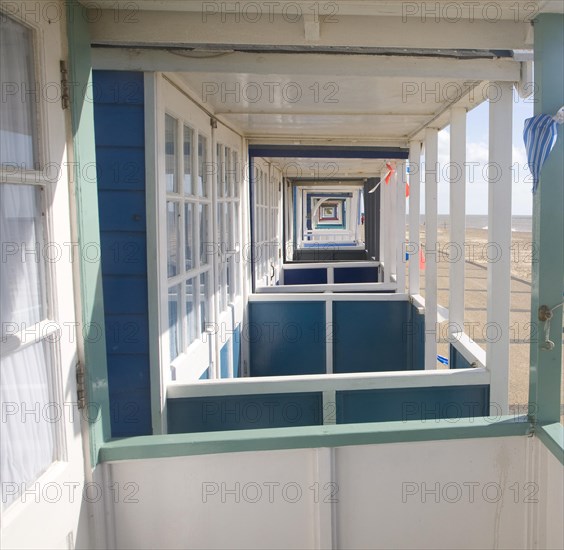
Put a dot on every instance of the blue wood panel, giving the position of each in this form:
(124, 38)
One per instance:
(412, 404)
(328, 151)
(118, 88)
(119, 125)
(120, 168)
(123, 211)
(370, 336)
(236, 351)
(119, 132)
(125, 295)
(126, 334)
(129, 414)
(317, 276)
(457, 360)
(417, 339)
(356, 275)
(124, 253)
(128, 372)
(286, 338)
(243, 412)
(224, 359)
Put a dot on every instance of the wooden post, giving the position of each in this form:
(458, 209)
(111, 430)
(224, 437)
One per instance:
(414, 215)
(431, 259)
(499, 246)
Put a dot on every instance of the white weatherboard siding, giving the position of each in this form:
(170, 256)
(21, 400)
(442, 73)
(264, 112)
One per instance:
(549, 532)
(469, 493)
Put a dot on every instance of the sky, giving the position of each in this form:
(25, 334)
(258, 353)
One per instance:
(477, 151)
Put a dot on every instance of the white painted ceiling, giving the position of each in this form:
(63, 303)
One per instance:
(323, 169)
(323, 105)
(507, 8)
(277, 82)
(347, 109)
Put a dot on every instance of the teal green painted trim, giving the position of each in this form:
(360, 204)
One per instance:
(548, 226)
(84, 158)
(552, 436)
(310, 437)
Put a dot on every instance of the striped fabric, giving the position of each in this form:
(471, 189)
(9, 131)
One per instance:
(540, 135)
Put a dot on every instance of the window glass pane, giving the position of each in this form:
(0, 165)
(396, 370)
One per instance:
(230, 237)
(21, 269)
(231, 283)
(18, 125)
(173, 322)
(204, 297)
(226, 227)
(227, 173)
(273, 225)
(265, 220)
(236, 224)
(188, 137)
(170, 154)
(220, 226)
(205, 242)
(189, 240)
(235, 168)
(29, 442)
(172, 215)
(223, 284)
(202, 166)
(191, 323)
(220, 170)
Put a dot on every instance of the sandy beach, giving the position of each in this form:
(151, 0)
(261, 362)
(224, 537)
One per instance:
(478, 252)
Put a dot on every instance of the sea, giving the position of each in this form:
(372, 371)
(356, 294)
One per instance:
(518, 223)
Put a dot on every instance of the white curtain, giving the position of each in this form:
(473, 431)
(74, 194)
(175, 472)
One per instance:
(21, 303)
(29, 413)
(29, 418)
(19, 95)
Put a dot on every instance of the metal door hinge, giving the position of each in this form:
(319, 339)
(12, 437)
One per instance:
(545, 313)
(65, 94)
(80, 385)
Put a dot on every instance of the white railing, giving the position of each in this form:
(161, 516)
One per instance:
(472, 352)
(337, 287)
(325, 382)
(329, 384)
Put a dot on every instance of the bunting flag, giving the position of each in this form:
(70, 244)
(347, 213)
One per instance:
(442, 359)
(406, 190)
(421, 260)
(391, 170)
(540, 134)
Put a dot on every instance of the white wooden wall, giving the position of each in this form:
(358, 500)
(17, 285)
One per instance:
(402, 495)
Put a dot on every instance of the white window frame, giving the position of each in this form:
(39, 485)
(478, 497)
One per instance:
(267, 234)
(228, 218)
(229, 266)
(173, 99)
(58, 326)
(196, 357)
